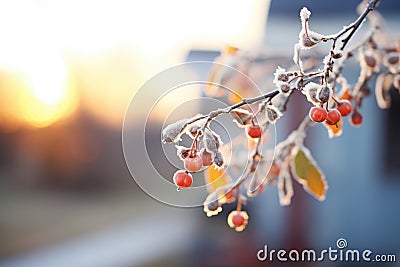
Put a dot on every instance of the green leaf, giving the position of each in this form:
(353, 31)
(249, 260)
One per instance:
(306, 171)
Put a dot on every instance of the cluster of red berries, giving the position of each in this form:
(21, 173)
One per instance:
(331, 117)
(192, 163)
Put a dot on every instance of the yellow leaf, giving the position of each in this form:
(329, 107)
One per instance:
(230, 50)
(306, 171)
(334, 130)
(215, 178)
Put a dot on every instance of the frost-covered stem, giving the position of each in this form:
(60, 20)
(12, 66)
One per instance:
(349, 54)
(245, 101)
(353, 26)
(239, 202)
(248, 101)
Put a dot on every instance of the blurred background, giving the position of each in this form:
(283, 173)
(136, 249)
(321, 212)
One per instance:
(68, 70)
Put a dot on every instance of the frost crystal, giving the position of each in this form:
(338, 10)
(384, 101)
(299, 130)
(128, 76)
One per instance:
(280, 75)
(296, 56)
(281, 79)
(307, 38)
(174, 131)
(304, 15)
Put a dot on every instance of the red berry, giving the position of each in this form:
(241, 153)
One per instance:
(238, 220)
(356, 119)
(183, 179)
(254, 131)
(333, 117)
(344, 107)
(317, 114)
(206, 157)
(193, 164)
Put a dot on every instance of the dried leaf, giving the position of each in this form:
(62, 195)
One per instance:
(182, 152)
(285, 186)
(334, 130)
(242, 117)
(218, 159)
(193, 128)
(382, 87)
(273, 113)
(280, 75)
(306, 171)
(215, 178)
(212, 141)
(308, 38)
(310, 90)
